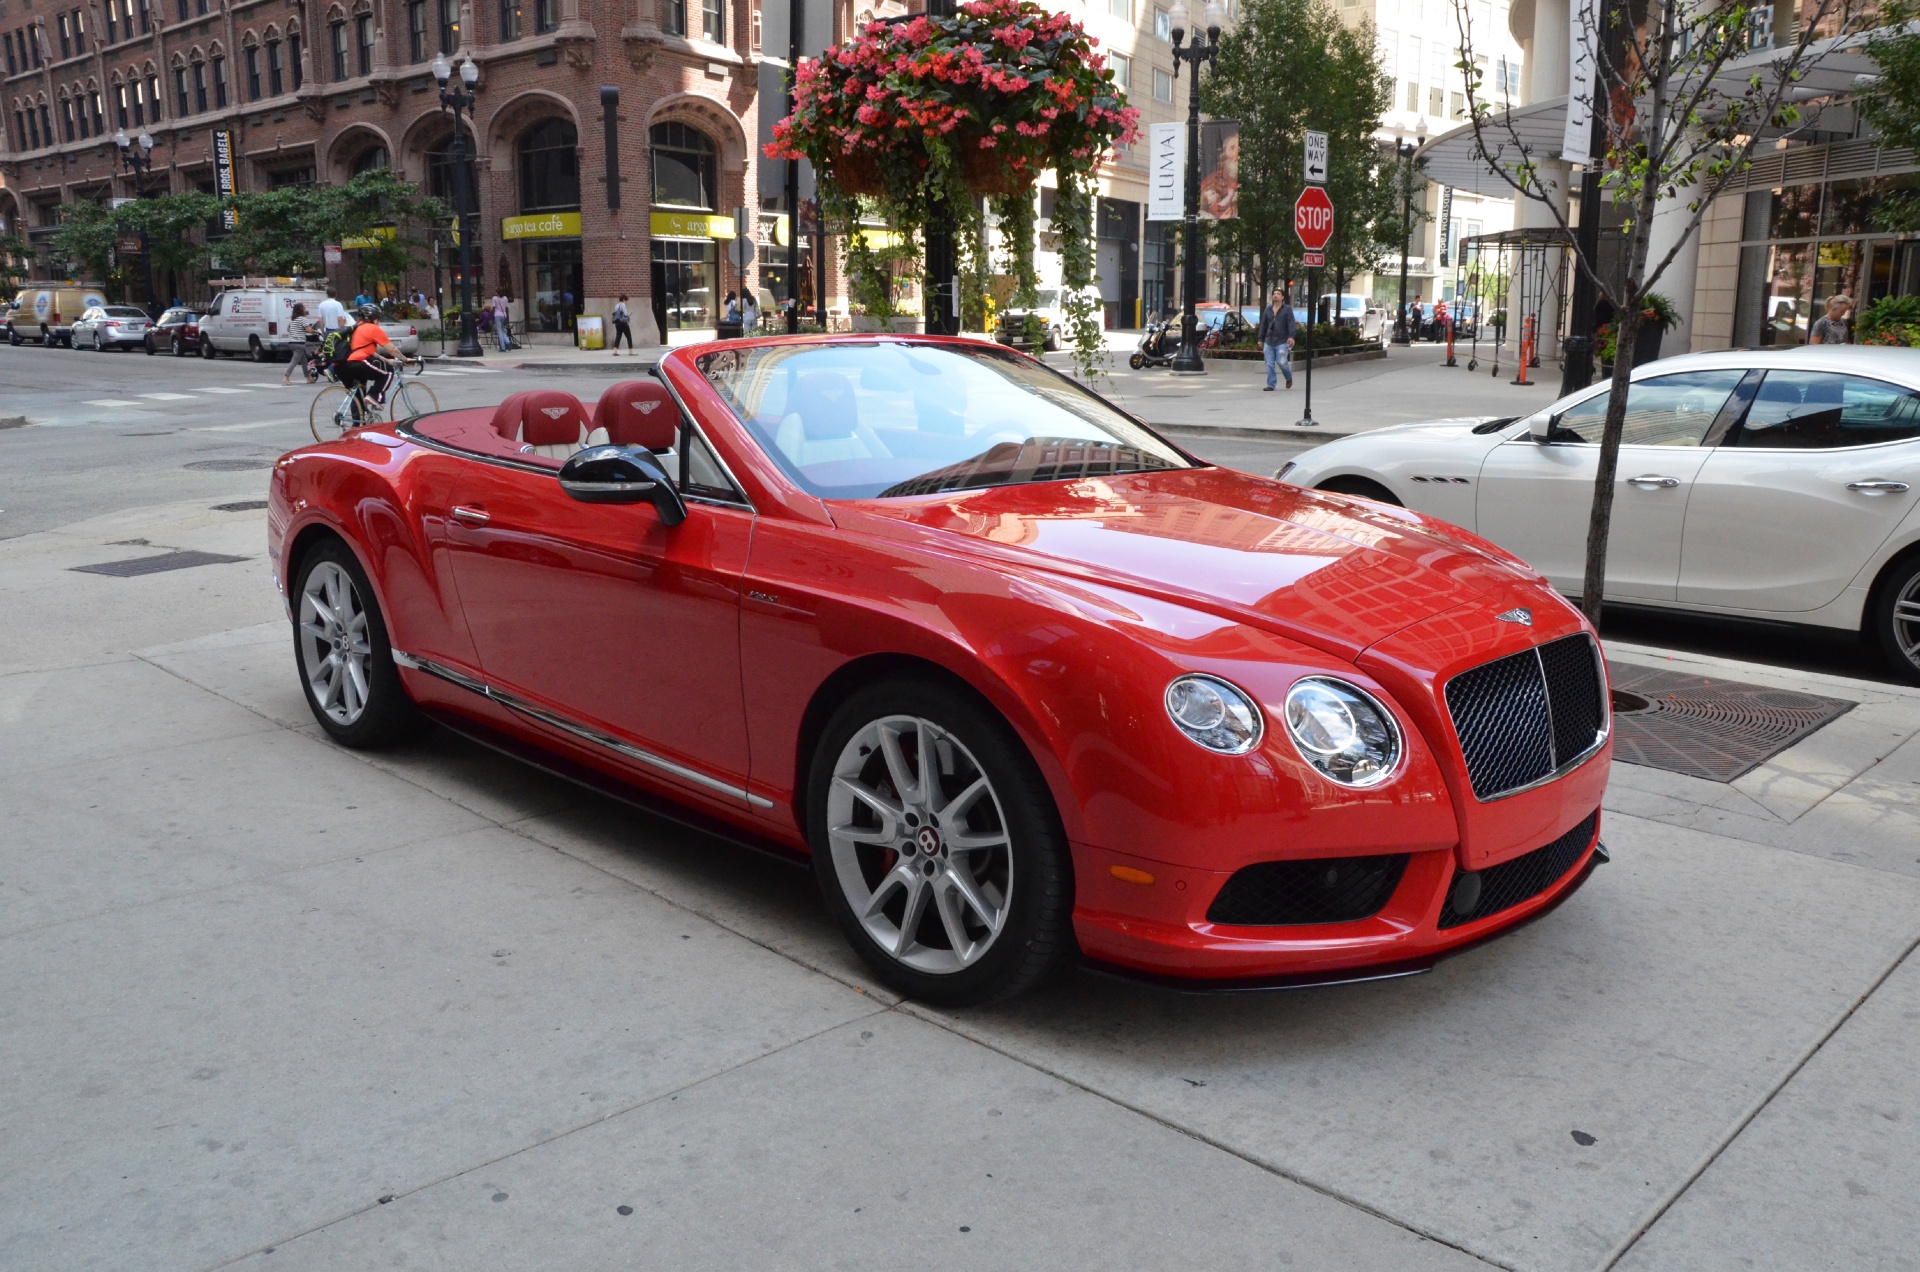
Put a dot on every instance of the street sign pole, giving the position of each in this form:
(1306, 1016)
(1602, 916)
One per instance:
(1313, 223)
(1313, 300)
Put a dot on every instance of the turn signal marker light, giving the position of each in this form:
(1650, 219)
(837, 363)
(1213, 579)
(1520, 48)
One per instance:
(1127, 874)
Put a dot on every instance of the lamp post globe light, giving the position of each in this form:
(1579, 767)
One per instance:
(136, 157)
(1405, 149)
(1193, 269)
(458, 100)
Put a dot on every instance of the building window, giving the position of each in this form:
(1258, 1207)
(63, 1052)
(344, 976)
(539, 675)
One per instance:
(416, 30)
(440, 172)
(99, 115)
(1121, 9)
(112, 31)
(369, 160)
(1122, 71)
(252, 55)
(46, 123)
(363, 42)
(1163, 24)
(153, 96)
(1162, 85)
(33, 130)
(66, 117)
(684, 167)
(80, 30)
(200, 8)
(337, 36)
(180, 103)
(13, 67)
(181, 8)
(120, 105)
(509, 20)
(146, 17)
(66, 36)
(139, 102)
(549, 163)
(275, 82)
(219, 82)
(293, 60)
(1436, 102)
(200, 87)
(546, 15)
(673, 16)
(712, 21)
(449, 25)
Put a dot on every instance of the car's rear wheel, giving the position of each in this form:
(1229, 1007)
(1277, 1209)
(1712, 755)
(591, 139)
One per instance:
(179, 347)
(146, 342)
(346, 664)
(1896, 619)
(937, 846)
(1361, 487)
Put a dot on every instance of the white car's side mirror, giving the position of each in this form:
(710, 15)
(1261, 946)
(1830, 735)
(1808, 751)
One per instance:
(1542, 426)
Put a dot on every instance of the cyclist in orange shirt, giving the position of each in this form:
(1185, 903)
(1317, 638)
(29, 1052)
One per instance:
(366, 363)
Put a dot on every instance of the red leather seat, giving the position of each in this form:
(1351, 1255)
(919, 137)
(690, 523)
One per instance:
(548, 423)
(636, 413)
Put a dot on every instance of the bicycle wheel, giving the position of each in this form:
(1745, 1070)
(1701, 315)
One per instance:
(332, 413)
(411, 399)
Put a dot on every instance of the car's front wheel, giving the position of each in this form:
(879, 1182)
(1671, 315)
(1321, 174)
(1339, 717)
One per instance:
(1896, 619)
(345, 661)
(937, 846)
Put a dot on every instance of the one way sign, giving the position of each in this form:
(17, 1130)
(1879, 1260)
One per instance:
(1317, 158)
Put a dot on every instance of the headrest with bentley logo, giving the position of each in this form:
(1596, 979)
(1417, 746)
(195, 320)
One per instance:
(638, 413)
(546, 417)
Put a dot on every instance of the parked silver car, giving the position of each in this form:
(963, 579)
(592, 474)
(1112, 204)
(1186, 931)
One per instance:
(104, 327)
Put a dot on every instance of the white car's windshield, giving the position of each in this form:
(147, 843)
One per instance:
(883, 420)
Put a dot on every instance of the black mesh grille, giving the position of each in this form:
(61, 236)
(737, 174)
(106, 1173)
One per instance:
(1521, 717)
(1508, 884)
(1573, 687)
(1318, 890)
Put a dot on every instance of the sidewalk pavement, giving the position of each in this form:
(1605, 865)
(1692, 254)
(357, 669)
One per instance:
(273, 1003)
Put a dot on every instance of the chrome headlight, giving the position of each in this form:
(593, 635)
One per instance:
(1215, 714)
(1342, 731)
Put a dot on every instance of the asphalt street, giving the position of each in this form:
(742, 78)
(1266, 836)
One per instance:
(186, 429)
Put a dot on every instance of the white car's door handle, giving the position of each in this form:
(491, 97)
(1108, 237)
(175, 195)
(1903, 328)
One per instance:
(1878, 487)
(1653, 482)
(471, 516)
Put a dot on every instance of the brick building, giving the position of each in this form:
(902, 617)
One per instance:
(317, 90)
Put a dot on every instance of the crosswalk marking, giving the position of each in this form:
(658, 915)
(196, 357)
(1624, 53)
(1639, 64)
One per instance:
(261, 384)
(168, 397)
(205, 388)
(110, 402)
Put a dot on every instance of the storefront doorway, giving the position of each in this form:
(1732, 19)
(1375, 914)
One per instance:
(685, 272)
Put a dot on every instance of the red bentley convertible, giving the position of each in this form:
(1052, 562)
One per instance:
(1024, 679)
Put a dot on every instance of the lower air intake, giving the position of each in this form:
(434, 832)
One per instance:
(1506, 885)
(1317, 890)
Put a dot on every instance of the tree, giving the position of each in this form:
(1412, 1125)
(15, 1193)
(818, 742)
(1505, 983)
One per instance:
(275, 232)
(174, 226)
(85, 238)
(1676, 121)
(387, 216)
(16, 259)
(1273, 76)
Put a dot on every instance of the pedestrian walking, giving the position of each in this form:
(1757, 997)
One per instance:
(1834, 326)
(307, 327)
(622, 326)
(1416, 320)
(1276, 334)
(333, 314)
(749, 312)
(499, 307)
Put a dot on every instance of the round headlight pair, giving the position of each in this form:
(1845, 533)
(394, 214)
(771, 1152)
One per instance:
(1339, 729)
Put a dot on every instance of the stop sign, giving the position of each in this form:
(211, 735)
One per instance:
(1313, 218)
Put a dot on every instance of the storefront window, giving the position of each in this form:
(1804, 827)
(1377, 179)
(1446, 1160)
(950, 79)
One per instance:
(684, 167)
(1785, 315)
(549, 162)
(555, 281)
(684, 274)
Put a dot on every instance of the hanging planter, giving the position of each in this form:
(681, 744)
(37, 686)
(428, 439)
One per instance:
(955, 109)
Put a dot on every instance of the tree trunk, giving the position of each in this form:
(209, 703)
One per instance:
(1593, 588)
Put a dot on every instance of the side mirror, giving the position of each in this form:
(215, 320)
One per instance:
(622, 475)
(1543, 427)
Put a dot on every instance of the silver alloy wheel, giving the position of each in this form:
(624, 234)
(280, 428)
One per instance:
(1906, 621)
(334, 651)
(920, 845)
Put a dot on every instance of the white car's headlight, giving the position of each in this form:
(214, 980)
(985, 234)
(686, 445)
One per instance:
(1215, 714)
(1342, 731)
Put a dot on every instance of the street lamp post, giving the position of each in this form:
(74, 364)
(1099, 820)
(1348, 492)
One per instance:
(460, 100)
(1193, 270)
(137, 158)
(1405, 149)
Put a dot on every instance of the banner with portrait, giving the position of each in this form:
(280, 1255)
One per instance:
(1220, 170)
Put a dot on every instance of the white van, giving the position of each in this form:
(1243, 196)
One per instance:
(255, 320)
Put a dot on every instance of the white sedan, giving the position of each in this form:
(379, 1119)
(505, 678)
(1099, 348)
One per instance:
(1777, 485)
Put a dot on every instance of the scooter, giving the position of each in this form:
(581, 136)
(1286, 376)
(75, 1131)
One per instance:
(1157, 346)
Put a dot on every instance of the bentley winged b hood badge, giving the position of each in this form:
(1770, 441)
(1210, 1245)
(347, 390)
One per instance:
(1518, 614)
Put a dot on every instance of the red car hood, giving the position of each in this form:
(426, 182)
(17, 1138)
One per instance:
(1335, 573)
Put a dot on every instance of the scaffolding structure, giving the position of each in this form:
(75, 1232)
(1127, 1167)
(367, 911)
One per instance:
(1515, 285)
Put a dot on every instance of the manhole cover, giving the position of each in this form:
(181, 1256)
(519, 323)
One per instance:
(242, 505)
(1716, 729)
(136, 566)
(227, 465)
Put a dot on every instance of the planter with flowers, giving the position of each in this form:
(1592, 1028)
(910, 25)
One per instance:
(1657, 318)
(932, 112)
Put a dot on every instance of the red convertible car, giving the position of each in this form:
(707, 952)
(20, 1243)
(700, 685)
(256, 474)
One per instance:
(1024, 680)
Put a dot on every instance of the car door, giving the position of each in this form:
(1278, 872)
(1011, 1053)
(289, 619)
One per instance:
(601, 616)
(1535, 498)
(1804, 490)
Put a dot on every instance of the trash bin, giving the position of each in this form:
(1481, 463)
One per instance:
(727, 329)
(591, 331)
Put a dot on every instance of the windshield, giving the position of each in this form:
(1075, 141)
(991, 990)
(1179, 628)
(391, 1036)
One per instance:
(884, 420)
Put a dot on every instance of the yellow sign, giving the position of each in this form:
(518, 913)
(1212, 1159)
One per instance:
(541, 225)
(373, 238)
(692, 225)
(877, 239)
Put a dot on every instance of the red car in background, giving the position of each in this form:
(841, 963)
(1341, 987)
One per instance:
(1024, 680)
(177, 331)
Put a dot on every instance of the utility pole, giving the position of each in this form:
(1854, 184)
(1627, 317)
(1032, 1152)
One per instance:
(796, 16)
(942, 272)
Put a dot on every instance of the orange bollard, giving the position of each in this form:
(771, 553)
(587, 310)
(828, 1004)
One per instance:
(1526, 350)
(1450, 362)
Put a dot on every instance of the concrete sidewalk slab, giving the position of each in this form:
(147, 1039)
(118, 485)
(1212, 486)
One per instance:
(1683, 982)
(881, 1143)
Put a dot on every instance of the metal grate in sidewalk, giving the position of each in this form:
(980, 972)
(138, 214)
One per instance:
(1702, 727)
(134, 567)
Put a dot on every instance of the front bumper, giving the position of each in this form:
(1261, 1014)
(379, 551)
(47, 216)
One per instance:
(1159, 931)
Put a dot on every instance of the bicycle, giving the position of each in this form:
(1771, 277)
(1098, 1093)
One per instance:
(337, 408)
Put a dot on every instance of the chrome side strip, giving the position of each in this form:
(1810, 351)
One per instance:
(522, 707)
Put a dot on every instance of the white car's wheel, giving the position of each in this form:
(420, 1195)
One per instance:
(1896, 619)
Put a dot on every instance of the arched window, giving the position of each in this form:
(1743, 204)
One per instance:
(685, 167)
(250, 57)
(440, 172)
(550, 167)
(369, 160)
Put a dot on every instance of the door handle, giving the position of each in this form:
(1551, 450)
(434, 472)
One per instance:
(1654, 483)
(1877, 486)
(471, 516)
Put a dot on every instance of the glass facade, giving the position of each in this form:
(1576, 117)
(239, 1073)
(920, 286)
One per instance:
(1802, 244)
